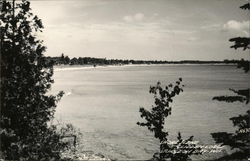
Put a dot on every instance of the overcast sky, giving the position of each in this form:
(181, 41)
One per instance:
(143, 29)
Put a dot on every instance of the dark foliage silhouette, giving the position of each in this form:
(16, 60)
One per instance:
(65, 60)
(240, 42)
(245, 6)
(241, 138)
(155, 120)
(26, 108)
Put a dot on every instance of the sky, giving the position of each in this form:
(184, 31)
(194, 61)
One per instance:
(143, 29)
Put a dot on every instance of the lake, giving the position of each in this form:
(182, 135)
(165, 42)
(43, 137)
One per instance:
(104, 104)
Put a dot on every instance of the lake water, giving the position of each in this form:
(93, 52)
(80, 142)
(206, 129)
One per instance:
(104, 103)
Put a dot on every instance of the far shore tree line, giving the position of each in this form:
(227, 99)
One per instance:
(66, 60)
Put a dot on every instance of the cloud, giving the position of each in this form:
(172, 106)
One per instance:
(134, 18)
(236, 26)
(192, 38)
(211, 27)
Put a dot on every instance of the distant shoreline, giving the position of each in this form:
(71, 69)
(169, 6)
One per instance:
(78, 67)
(90, 61)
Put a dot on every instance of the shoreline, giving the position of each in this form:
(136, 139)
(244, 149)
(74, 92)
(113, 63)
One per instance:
(80, 67)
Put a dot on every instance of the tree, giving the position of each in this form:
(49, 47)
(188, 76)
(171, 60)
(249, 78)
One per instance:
(155, 120)
(241, 138)
(26, 108)
(66, 60)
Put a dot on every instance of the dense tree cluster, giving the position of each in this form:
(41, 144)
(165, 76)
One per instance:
(26, 108)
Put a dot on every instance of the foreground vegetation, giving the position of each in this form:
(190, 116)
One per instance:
(26, 109)
(240, 139)
(155, 122)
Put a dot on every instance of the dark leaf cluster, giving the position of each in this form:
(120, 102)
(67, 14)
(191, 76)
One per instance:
(26, 77)
(242, 96)
(244, 64)
(155, 120)
(241, 138)
(245, 6)
(240, 42)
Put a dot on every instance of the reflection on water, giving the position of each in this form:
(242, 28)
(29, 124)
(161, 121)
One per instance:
(104, 103)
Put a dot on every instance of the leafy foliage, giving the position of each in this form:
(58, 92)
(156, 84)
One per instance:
(242, 96)
(240, 42)
(155, 120)
(244, 64)
(241, 138)
(26, 107)
(245, 6)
